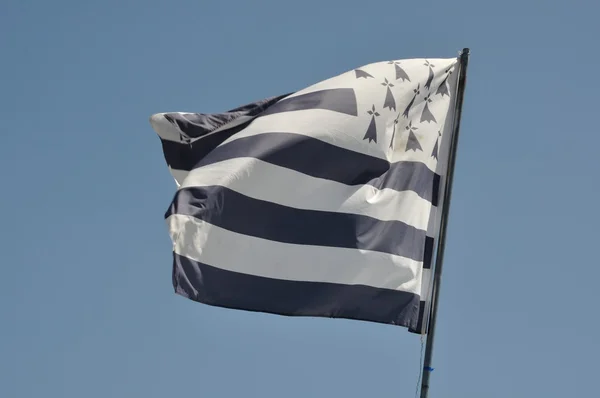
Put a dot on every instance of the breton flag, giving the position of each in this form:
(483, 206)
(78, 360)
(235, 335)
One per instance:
(323, 202)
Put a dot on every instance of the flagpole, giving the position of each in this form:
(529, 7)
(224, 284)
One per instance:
(462, 80)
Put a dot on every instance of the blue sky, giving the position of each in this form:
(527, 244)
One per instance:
(86, 303)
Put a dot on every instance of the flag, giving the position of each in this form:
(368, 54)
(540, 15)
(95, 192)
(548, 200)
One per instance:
(323, 202)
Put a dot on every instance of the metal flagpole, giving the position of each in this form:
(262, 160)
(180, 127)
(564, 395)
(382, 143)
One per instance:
(462, 80)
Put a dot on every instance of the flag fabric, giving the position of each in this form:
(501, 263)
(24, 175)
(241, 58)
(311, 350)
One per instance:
(323, 202)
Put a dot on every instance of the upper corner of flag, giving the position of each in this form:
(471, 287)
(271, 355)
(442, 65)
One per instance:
(156, 119)
(162, 126)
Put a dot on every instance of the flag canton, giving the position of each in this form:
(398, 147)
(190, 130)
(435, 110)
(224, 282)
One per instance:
(401, 106)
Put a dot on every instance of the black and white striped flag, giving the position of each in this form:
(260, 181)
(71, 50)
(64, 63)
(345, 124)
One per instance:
(323, 202)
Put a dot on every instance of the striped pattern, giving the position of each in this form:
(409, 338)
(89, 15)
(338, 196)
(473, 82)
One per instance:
(283, 207)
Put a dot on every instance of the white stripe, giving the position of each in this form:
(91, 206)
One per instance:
(264, 181)
(209, 244)
(165, 129)
(425, 285)
(178, 175)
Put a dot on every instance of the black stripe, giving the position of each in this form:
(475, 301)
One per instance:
(428, 255)
(418, 328)
(235, 212)
(342, 100)
(217, 287)
(181, 156)
(315, 158)
(195, 125)
(435, 189)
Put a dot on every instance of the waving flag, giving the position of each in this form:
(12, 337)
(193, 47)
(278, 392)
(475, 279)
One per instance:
(323, 202)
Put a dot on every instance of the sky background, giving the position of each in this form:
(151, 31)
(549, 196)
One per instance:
(87, 308)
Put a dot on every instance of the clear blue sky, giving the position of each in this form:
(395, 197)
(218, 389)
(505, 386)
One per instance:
(86, 303)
